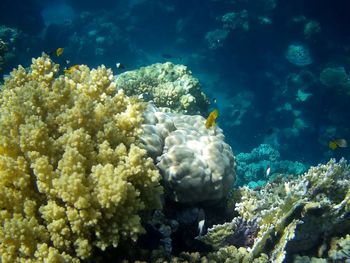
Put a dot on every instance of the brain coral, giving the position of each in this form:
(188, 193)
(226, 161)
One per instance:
(195, 162)
(167, 85)
(72, 175)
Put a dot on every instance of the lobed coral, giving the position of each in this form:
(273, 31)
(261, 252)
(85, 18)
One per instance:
(72, 173)
(195, 162)
(167, 85)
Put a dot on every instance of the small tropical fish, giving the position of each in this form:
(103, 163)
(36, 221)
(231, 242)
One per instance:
(211, 119)
(268, 170)
(201, 222)
(334, 144)
(214, 100)
(59, 51)
(146, 96)
(71, 69)
(342, 143)
(119, 65)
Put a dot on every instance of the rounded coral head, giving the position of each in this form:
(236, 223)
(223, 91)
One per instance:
(299, 55)
(196, 164)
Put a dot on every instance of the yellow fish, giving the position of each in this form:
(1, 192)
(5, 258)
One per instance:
(71, 69)
(333, 144)
(211, 119)
(59, 51)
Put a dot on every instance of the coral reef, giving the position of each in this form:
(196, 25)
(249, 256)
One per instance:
(236, 20)
(8, 44)
(299, 55)
(3, 49)
(239, 233)
(195, 162)
(73, 174)
(239, 106)
(311, 29)
(340, 249)
(226, 255)
(336, 77)
(215, 39)
(167, 85)
(299, 215)
(251, 167)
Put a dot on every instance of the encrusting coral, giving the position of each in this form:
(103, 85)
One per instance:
(169, 86)
(72, 173)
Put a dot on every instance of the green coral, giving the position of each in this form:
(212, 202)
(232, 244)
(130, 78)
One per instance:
(169, 86)
(73, 174)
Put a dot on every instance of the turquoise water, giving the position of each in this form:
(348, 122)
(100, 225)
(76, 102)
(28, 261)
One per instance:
(277, 71)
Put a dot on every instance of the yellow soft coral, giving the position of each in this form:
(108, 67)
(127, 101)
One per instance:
(72, 173)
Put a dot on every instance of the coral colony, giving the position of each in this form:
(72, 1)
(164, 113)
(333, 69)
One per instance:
(174, 131)
(83, 166)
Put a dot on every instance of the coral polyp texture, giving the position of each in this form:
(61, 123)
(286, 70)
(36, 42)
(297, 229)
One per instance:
(195, 162)
(251, 167)
(307, 215)
(72, 173)
(168, 86)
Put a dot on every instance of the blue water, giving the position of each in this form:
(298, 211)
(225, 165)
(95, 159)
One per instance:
(237, 49)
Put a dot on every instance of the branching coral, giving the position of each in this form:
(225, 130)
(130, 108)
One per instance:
(72, 174)
(294, 216)
(238, 233)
